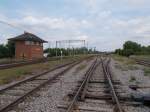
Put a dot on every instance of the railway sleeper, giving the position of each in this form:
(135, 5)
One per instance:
(23, 88)
(15, 92)
(86, 108)
(105, 90)
(102, 82)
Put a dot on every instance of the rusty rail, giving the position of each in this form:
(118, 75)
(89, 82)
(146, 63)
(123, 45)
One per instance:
(109, 80)
(18, 100)
(142, 61)
(24, 62)
(33, 77)
(38, 75)
(22, 97)
(82, 86)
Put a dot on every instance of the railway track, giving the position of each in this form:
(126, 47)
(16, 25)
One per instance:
(14, 94)
(22, 63)
(143, 62)
(12, 64)
(96, 93)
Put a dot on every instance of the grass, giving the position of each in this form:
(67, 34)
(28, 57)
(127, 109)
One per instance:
(9, 75)
(143, 57)
(5, 60)
(132, 79)
(127, 63)
(124, 59)
(147, 71)
(81, 67)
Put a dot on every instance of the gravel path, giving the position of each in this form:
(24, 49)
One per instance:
(47, 99)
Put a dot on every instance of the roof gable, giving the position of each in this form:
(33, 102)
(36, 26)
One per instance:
(27, 37)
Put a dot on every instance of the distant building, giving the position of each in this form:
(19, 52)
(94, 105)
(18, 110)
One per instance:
(28, 46)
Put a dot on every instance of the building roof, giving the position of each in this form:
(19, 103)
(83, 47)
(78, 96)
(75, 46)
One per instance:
(27, 37)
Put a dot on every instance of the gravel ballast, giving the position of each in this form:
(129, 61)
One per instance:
(48, 97)
(131, 77)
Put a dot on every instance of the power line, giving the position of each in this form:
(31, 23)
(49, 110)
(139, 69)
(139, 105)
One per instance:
(12, 25)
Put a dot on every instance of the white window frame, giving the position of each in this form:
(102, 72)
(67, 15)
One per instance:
(27, 42)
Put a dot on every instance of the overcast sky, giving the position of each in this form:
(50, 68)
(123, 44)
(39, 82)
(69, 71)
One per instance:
(106, 24)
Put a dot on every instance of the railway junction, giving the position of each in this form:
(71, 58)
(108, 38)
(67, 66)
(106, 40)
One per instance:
(74, 56)
(84, 85)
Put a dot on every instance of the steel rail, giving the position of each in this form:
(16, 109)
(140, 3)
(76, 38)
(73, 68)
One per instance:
(12, 104)
(38, 75)
(24, 62)
(29, 62)
(35, 76)
(143, 62)
(108, 77)
(87, 82)
(87, 74)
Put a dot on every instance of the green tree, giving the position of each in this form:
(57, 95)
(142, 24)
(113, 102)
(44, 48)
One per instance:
(3, 51)
(132, 46)
(11, 48)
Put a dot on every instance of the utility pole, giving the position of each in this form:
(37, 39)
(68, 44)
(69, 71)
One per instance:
(56, 48)
(87, 48)
(61, 54)
(84, 46)
(94, 49)
(68, 43)
(49, 48)
(69, 48)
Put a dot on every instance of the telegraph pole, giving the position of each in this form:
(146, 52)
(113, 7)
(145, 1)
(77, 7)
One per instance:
(87, 48)
(49, 47)
(56, 48)
(84, 46)
(69, 42)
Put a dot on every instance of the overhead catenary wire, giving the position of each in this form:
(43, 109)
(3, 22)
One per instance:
(12, 25)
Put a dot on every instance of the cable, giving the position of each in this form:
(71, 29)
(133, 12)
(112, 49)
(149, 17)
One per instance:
(14, 26)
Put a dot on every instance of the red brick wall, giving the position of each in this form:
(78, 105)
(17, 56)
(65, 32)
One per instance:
(36, 51)
(29, 51)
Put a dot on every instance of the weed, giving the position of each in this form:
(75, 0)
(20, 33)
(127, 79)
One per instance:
(132, 79)
(147, 71)
(81, 67)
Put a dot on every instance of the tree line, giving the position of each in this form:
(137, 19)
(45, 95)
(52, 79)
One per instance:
(133, 48)
(7, 50)
(68, 51)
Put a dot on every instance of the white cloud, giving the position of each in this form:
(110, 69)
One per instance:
(51, 23)
(102, 26)
(107, 30)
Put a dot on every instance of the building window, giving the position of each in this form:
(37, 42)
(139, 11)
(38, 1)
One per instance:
(27, 42)
(37, 43)
(32, 43)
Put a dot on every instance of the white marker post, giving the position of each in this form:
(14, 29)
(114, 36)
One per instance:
(61, 54)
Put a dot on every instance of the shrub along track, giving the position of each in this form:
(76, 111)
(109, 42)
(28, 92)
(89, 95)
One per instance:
(14, 94)
(97, 92)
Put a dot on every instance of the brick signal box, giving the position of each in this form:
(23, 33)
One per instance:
(28, 46)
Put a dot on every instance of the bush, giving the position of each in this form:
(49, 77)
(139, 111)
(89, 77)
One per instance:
(132, 48)
(7, 50)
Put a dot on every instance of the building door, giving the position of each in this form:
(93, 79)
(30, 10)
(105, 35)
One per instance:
(23, 55)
